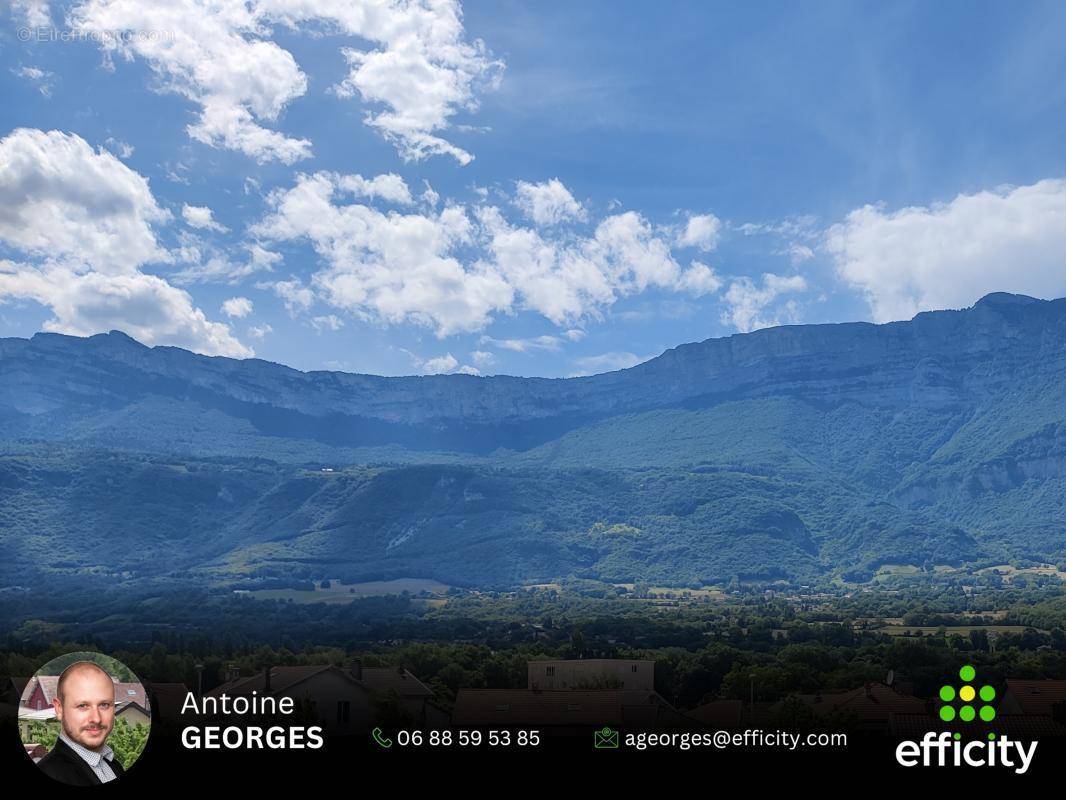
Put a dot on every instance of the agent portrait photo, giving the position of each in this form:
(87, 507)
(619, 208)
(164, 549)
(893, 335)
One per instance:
(84, 717)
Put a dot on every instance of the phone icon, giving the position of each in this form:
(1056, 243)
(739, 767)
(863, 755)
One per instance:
(379, 737)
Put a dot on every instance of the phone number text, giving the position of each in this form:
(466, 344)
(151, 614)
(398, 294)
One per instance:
(462, 738)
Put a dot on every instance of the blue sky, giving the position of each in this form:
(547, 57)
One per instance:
(532, 189)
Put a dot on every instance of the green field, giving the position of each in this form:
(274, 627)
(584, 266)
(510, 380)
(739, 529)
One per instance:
(1008, 572)
(897, 569)
(338, 592)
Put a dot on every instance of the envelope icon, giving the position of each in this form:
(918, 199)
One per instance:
(605, 739)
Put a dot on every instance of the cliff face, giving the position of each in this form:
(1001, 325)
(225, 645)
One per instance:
(937, 359)
(793, 451)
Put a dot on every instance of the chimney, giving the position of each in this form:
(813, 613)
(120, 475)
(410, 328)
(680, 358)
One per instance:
(233, 672)
(356, 669)
(266, 679)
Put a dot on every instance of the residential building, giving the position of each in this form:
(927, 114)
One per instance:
(591, 673)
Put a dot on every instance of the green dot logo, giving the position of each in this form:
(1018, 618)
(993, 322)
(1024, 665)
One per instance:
(967, 693)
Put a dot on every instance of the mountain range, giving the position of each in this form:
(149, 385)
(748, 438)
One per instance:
(802, 452)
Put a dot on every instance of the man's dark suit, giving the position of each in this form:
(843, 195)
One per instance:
(66, 766)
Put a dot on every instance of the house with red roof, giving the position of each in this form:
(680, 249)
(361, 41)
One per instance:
(1035, 698)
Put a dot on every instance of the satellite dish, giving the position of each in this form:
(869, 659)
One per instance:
(891, 677)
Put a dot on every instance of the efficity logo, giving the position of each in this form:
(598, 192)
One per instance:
(963, 705)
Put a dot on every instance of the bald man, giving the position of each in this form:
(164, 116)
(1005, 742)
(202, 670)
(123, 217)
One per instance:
(85, 705)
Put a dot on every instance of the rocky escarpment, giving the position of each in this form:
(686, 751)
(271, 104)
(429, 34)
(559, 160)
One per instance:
(937, 359)
(1037, 457)
(792, 451)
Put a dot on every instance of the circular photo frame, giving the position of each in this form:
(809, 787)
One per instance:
(84, 718)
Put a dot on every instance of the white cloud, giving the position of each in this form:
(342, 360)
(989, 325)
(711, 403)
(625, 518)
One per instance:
(569, 278)
(547, 278)
(144, 306)
(86, 218)
(950, 254)
(453, 271)
(419, 70)
(748, 303)
(798, 236)
(217, 267)
(120, 148)
(388, 187)
(804, 228)
(423, 73)
(237, 307)
(798, 253)
(548, 343)
(547, 203)
(213, 55)
(32, 13)
(429, 196)
(294, 294)
(262, 258)
(173, 176)
(327, 322)
(393, 267)
(260, 331)
(60, 199)
(702, 231)
(40, 78)
(439, 365)
(201, 217)
(699, 279)
(483, 358)
(605, 362)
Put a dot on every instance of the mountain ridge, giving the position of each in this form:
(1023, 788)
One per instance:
(682, 373)
(807, 452)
